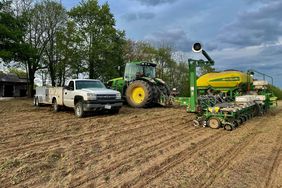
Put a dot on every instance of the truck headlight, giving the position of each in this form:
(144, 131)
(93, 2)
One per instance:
(118, 96)
(91, 96)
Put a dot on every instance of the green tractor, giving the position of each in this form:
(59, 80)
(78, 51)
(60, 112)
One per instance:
(140, 87)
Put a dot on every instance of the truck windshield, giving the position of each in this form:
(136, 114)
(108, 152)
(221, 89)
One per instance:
(83, 84)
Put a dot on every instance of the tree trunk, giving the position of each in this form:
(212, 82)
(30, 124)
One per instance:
(52, 72)
(52, 60)
(91, 69)
(31, 76)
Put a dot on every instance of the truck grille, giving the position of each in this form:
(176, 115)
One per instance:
(106, 97)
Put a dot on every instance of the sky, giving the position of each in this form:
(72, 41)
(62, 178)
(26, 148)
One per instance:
(238, 34)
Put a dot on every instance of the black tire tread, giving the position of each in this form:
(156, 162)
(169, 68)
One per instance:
(148, 91)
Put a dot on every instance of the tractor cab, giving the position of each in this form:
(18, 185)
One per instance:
(135, 70)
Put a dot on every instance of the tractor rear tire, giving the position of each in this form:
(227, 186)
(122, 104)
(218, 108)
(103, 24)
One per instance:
(139, 94)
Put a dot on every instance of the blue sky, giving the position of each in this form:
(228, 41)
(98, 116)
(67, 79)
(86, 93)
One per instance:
(241, 34)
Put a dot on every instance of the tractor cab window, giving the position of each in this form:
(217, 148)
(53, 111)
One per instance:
(136, 70)
(149, 71)
(131, 70)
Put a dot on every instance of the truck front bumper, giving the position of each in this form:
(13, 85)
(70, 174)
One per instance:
(101, 104)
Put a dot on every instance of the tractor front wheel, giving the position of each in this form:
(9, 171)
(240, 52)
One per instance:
(139, 94)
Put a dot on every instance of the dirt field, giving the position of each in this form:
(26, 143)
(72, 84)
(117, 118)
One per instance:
(137, 148)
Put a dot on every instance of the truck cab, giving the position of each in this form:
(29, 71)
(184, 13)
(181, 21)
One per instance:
(81, 94)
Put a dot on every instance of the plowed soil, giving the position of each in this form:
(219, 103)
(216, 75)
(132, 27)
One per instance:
(157, 147)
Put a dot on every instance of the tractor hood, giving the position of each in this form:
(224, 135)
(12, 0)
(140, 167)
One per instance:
(159, 80)
(154, 80)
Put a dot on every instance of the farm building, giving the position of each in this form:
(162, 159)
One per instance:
(12, 86)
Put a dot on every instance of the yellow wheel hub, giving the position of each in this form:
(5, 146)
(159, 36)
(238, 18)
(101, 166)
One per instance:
(214, 123)
(138, 95)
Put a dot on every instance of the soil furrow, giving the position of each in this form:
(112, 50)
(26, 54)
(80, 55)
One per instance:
(276, 158)
(222, 162)
(156, 170)
(64, 138)
(135, 155)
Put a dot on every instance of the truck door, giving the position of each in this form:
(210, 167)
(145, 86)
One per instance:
(69, 95)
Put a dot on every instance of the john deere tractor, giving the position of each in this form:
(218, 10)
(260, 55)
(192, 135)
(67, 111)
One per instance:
(140, 87)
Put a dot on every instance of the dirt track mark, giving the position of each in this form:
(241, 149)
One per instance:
(64, 120)
(105, 128)
(170, 162)
(276, 158)
(154, 147)
(57, 141)
(121, 147)
(102, 156)
(222, 162)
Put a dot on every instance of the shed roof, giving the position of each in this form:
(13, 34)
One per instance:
(12, 78)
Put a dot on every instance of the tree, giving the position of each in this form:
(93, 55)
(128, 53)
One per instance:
(37, 35)
(70, 50)
(13, 47)
(206, 69)
(12, 28)
(102, 40)
(20, 73)
(163, 58)
(139, 51)
(54, 17)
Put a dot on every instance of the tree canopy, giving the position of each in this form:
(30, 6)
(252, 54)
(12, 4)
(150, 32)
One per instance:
(48, 41)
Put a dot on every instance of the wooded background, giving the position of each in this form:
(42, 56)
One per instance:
(48, 41)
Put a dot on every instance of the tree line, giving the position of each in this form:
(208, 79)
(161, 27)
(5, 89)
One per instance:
(45, 39)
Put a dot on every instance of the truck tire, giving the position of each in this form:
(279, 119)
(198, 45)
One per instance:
(36, 101)
(139, 94)
(78, 109)
(55, 106)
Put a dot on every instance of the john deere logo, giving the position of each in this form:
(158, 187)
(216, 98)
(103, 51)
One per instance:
(226, 79)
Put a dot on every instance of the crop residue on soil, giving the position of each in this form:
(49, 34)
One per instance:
(157, 147)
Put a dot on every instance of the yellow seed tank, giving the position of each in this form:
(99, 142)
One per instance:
(226, 79)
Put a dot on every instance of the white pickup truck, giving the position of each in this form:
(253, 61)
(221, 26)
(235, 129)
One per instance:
(82, 95)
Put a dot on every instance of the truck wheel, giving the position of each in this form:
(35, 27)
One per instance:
(35, 101)
(55, 105)
(139, 94)
(78, 109)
